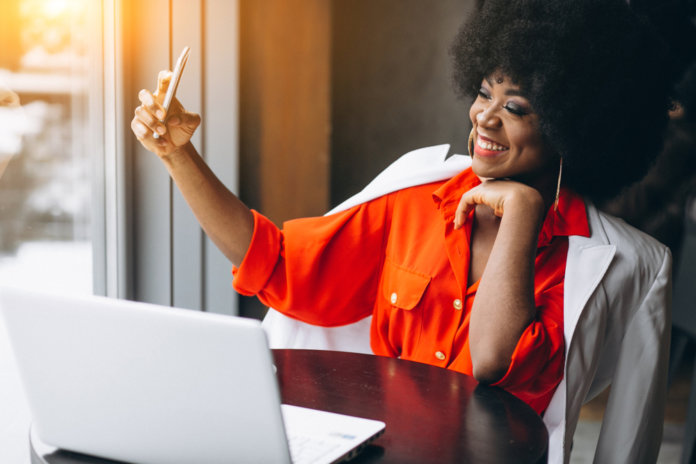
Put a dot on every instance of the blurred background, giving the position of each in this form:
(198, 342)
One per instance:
(45, 237)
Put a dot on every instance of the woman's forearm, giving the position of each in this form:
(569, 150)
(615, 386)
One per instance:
(225, 219)
(504, 304)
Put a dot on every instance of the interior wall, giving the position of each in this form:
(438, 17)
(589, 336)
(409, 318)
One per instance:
(284, 104)
(391, 85)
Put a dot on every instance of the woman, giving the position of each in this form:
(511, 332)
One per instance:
(489, 272)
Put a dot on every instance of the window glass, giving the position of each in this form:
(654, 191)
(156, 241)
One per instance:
(45, 189)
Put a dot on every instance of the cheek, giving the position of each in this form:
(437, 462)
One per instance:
(531, 146)
(526, 138)
(473, 111)
(536, 154)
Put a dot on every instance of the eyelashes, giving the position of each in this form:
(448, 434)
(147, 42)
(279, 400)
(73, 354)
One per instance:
(483, 93)
(515, 109)
(510, 107)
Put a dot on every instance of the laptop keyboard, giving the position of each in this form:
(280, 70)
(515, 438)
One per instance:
(308, 450)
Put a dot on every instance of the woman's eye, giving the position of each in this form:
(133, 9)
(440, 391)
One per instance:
(482, 93)
(515, 109)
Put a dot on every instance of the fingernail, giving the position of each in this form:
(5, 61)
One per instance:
(160, 114)
(161, 130)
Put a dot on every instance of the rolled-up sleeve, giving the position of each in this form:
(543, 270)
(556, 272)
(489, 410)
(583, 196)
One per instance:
(260, 259)
(537, 363)
(323, 270)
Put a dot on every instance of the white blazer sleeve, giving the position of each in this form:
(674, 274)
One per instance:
(632, 426)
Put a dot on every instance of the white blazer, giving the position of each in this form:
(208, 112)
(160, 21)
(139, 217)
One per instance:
(616, 322)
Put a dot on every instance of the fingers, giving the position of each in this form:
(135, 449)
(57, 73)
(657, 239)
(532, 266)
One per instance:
(150, 121)
(163, 80)
(150, 112)
(140, 130)
(491, 193)
(144, 135)
(151, 104)
(144, 124)
(466, 204)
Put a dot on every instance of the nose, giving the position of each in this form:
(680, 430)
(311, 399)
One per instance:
(488, 116)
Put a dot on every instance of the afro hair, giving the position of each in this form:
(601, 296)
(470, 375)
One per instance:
(595, 72)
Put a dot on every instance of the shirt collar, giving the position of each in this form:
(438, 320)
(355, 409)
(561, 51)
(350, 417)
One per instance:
(569, 219)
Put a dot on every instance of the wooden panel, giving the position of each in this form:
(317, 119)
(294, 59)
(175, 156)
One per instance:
(285, 109)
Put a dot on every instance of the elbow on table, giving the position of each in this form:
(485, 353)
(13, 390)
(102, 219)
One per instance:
(491, 370)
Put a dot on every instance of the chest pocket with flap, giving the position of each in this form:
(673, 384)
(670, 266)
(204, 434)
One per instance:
(403, 288)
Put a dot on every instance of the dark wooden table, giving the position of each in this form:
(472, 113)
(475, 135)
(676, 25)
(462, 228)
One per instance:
(432, 414)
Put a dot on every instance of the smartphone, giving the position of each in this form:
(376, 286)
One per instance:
(174, 83)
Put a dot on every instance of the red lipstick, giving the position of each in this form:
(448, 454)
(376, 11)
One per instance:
(486, 147)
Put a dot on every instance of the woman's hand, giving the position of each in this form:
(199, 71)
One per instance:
(178, 127)
(500, 195)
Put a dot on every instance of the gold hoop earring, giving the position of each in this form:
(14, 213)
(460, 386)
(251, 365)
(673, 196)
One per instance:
(470, 145)
(558, 186)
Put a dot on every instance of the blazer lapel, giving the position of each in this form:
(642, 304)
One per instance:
(587, 262)
(585, 268)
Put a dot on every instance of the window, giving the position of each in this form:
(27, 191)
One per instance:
(82, 207)
(46, 191)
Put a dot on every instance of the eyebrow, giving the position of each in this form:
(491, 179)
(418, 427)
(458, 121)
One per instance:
(508, 92)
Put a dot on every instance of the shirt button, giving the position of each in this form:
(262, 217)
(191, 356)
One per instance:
(440, 355)
(393, 298)
(457, 304)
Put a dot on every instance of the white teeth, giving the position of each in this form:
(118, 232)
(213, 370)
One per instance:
(490, 146)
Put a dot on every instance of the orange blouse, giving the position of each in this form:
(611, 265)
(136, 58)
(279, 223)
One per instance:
(399, 259)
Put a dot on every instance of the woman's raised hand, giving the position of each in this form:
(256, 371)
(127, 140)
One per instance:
(178, 127)
(499, 195)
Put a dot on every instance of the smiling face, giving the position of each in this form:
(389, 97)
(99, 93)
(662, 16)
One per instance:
(508, 142)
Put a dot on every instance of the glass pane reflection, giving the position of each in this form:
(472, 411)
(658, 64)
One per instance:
(45, 189)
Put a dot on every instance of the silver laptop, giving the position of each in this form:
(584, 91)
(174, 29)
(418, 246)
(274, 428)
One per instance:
(148, 384)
